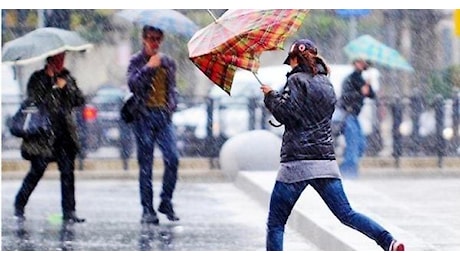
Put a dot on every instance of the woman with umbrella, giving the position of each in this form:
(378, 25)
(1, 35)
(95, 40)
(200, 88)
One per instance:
(56, 89)
(305, 107)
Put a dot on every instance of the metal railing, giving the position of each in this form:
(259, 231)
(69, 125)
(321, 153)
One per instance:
(405, 126)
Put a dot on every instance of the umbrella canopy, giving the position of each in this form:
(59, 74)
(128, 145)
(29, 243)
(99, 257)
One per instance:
(238, 38)
(42, 43)
(168, 20)
(368, 48)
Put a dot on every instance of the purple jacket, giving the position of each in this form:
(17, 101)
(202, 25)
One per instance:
(140, 78)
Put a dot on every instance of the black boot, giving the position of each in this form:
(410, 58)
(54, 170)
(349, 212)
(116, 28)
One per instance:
(19, 214)
(167, 209)
(72, 217)
(150, 218)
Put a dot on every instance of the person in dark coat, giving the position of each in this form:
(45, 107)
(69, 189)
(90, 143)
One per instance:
(305, 107)
(354, 90)
(152, 80)
(56, 89)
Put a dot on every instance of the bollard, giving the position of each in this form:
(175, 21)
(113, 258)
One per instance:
(455, 121)
(438, 105)
(417, 106)
(397, 112)
(82, 132)
(252, 105)
(264, 117)
(210, 142)
(126, 143)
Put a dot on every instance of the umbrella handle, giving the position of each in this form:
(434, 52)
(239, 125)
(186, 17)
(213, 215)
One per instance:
(273, 124)
(269, 121)
(255, 75)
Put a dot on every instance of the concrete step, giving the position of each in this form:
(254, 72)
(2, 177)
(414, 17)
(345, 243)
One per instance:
(109, 164)
(410, 162)
(202, 168)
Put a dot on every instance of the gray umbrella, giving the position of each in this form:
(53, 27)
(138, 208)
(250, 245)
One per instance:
(168, 20)
(42, 43)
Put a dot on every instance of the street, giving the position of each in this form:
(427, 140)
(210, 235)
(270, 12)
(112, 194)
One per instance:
(215, 216)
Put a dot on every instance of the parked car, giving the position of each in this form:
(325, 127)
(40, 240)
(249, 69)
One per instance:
(101, 122)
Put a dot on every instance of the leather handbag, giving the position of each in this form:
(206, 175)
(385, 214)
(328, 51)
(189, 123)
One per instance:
(129, 109)
(30, 120)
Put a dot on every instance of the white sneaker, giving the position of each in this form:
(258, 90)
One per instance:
(396, 246)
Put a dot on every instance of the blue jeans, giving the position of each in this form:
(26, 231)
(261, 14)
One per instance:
(156, 128)
(285, 195)
(355, 145)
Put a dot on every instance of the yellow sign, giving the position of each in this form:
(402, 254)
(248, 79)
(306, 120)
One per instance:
(457, 22)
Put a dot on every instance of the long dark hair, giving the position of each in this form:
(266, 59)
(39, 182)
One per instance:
(311, 59)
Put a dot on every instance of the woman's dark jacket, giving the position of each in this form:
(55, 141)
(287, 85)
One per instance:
(60, 104)
(305, 107)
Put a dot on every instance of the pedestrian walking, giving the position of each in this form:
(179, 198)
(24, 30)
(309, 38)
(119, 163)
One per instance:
(305, 106)
(354, 90)
(56, 89)
(152, 80)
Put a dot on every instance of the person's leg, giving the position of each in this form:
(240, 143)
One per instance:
(283, 198)
(36, 171)
(66, 167)
(331, 191)
(145, 141)
(361, 139)
(66, 164)
(167, 143)
(353, 145)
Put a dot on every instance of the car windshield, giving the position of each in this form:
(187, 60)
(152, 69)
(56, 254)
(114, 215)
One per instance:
(108, 95)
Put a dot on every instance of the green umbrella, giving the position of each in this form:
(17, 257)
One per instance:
(368, 48)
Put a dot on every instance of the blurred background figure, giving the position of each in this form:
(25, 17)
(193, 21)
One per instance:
(152, 80)
(354, 90)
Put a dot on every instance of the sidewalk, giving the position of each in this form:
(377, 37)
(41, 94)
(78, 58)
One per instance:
(421, 212)
(417, 203)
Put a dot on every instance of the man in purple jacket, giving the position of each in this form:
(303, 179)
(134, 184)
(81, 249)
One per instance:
(152, 80)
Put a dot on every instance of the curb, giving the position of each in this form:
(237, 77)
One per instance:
(316, 234)
(204, 168)
(317, 224)
(195, 175)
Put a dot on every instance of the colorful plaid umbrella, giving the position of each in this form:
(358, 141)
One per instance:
(238, 38)
(368, 48)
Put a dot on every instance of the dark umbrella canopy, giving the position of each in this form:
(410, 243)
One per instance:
(42, 43)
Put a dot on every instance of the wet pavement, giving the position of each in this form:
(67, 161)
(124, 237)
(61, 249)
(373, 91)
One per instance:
(418, 205)
(215, 216)
(418, 208)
